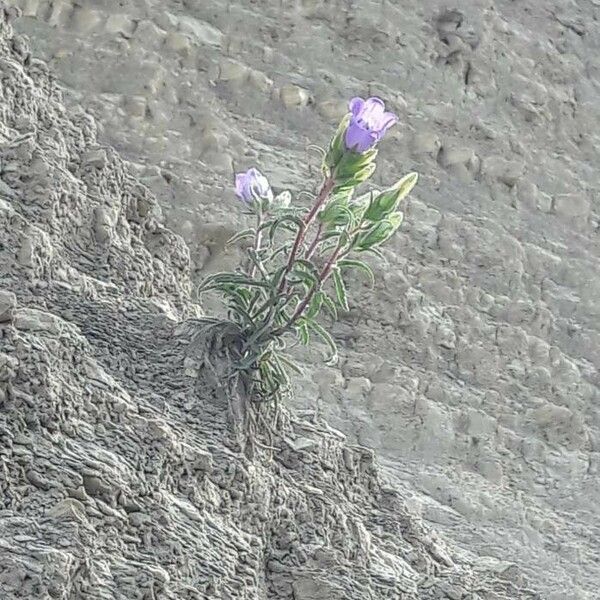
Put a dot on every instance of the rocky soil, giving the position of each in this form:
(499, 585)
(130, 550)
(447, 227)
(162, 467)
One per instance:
(472, 368)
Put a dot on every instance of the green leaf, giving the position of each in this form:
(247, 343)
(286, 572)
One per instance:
(251, 232)
(358, 264)
(218, 280)
(303, 333)
(330, 305)
(288, 363)
(340, 289)
(378, 254)
(337, 146)
(281, 220)
(353, 162)
(326, 337)
(308, 266)
(406, 184)
(299, 276)
(386, 202)
(380, 232)
(328, 212)
(314, 306)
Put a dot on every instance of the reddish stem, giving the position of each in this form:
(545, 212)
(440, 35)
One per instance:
(323, 194)
(313, 246)
(325, 273)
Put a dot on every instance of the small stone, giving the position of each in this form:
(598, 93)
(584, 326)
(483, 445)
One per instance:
(69, 508)
(572, 204)
(136, 106)
(8, 303)
(120, 23)
(293, 95)
(426, 142)
(450, 156)
(260, 81)
(31, 7)
(201, 31)
(505, 171)
(221, 162)
(137, 519)
(230, 70)
(304, 443)
(95, 158)
(30, 319)
(453, 592)
(85, 20)
(60, 13)
(102, 225)
(332, 109)
(178, 42)
(37, 480)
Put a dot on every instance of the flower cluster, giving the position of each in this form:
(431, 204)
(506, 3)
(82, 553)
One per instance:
(295, 252)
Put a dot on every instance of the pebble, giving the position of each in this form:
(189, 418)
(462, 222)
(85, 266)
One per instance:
(293, 96)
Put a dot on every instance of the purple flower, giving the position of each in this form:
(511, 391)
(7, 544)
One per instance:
(252, 185)
(368, 123)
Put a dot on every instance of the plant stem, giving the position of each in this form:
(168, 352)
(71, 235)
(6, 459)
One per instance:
(326, 188)
(313, 246)
(257, 242)
(325, 273)
(323, 194)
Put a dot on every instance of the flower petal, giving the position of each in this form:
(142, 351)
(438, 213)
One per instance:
(356, 105)
(389, 119)
(372, 109)
(359, 139)
(240, 182)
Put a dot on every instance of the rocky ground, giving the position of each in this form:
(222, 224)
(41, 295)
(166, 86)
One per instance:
(472, 368)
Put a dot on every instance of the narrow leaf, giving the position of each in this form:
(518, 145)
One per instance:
(340, 289)
(288, 363)
(358, 264)
(291, 219)
(303, 334)
(240, 236)
(315, 306)
(326, 337)
(330, 305)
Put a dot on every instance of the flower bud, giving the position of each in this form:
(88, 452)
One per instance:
(253, 188)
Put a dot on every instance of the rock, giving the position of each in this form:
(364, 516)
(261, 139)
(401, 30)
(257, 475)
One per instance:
(505, 171)
(136, 106)
(426, 143)
(572, 204)
(450, 156)
(69, 508)
(293, 95)
(96, 158)
(332, 109)
(201, 31)
(30, 319)
(315, 589)
(178, 42)
(8, 304)
(85, 19)
(120, 23)
(232, 71)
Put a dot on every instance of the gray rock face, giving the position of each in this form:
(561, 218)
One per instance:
(472, 368)
(121, 473)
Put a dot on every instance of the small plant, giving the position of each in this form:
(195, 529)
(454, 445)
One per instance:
(299, 257)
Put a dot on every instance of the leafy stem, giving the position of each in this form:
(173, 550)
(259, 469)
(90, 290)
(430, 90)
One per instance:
(257, 244)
